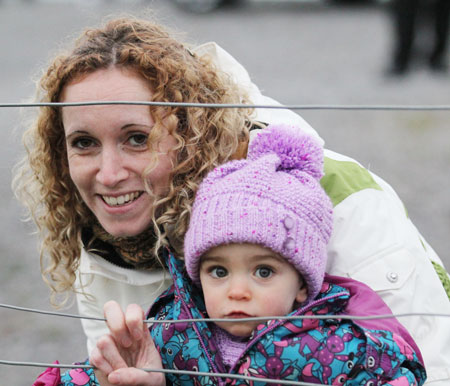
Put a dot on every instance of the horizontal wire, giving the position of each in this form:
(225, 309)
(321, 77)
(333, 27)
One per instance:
(52, 313)
(261, 318)
(183, 372)
(232, 106)
(166, 371)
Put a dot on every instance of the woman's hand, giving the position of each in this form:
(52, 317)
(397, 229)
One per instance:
(128, 348)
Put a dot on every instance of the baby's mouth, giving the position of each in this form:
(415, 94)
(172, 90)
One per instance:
(238, 315)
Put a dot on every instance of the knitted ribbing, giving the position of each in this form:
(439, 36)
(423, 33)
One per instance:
(230, 347)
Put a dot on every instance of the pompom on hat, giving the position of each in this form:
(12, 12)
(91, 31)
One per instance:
(273, 199)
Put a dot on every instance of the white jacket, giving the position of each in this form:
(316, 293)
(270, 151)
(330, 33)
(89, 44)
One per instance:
(373, 241)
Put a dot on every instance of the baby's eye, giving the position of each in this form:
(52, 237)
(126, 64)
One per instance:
(264, 272)
(218, 272)
(138, 139)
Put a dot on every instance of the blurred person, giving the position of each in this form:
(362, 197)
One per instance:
(256, 246)
(203, 6)
(111, 186)
(407, 15)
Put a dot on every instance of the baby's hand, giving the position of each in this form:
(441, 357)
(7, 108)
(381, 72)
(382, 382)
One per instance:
(128, 347)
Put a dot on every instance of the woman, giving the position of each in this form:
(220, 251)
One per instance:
(110, 186)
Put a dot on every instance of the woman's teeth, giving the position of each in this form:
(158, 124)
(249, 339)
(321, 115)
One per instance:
(120, 200)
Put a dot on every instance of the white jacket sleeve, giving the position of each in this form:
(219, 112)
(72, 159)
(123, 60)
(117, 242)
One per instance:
(373, 239)
(100, 281)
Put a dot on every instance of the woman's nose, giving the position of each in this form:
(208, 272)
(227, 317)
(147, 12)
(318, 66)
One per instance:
(111, 169)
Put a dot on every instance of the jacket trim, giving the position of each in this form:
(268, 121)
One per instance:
(343, 178)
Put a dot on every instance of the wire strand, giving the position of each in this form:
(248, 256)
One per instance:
(165, 371)
(263, 318)
(233, 106)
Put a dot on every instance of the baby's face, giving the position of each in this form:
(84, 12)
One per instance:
(247, 280)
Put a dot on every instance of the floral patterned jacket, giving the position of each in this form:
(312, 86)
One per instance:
(324, 351)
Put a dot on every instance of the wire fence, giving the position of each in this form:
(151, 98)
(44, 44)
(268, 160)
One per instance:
(154, 321)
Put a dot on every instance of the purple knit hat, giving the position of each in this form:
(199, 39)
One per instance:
(273, 198)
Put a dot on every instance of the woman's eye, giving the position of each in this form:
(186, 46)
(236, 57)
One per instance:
(138, 139)
(218, 272)
(264, 272)
(82, 143)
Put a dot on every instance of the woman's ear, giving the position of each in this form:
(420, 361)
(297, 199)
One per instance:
(302, 294)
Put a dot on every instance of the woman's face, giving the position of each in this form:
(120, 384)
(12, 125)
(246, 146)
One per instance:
(107, 149)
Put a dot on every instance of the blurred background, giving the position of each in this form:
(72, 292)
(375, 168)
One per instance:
(298, 52)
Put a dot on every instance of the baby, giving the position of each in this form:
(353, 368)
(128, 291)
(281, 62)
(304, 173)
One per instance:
(257, 247)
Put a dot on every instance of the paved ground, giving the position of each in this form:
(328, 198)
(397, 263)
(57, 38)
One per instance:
(297, 53)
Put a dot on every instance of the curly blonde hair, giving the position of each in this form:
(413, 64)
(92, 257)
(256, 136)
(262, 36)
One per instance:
(206, 137)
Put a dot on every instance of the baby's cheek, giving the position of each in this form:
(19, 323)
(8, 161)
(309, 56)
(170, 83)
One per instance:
(212, 304)
(269, 304)
(276, 306)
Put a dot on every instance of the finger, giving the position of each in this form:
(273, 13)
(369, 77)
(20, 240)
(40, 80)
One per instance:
(134, 317)
(109, 355)
(136, 377)
(154, 358)
(97, 360)
(102, 379)
(147, 356)
(115, 320)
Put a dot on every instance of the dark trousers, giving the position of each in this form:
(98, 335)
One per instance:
(406, 13)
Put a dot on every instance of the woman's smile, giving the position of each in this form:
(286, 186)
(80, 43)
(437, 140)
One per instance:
(122, 199)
